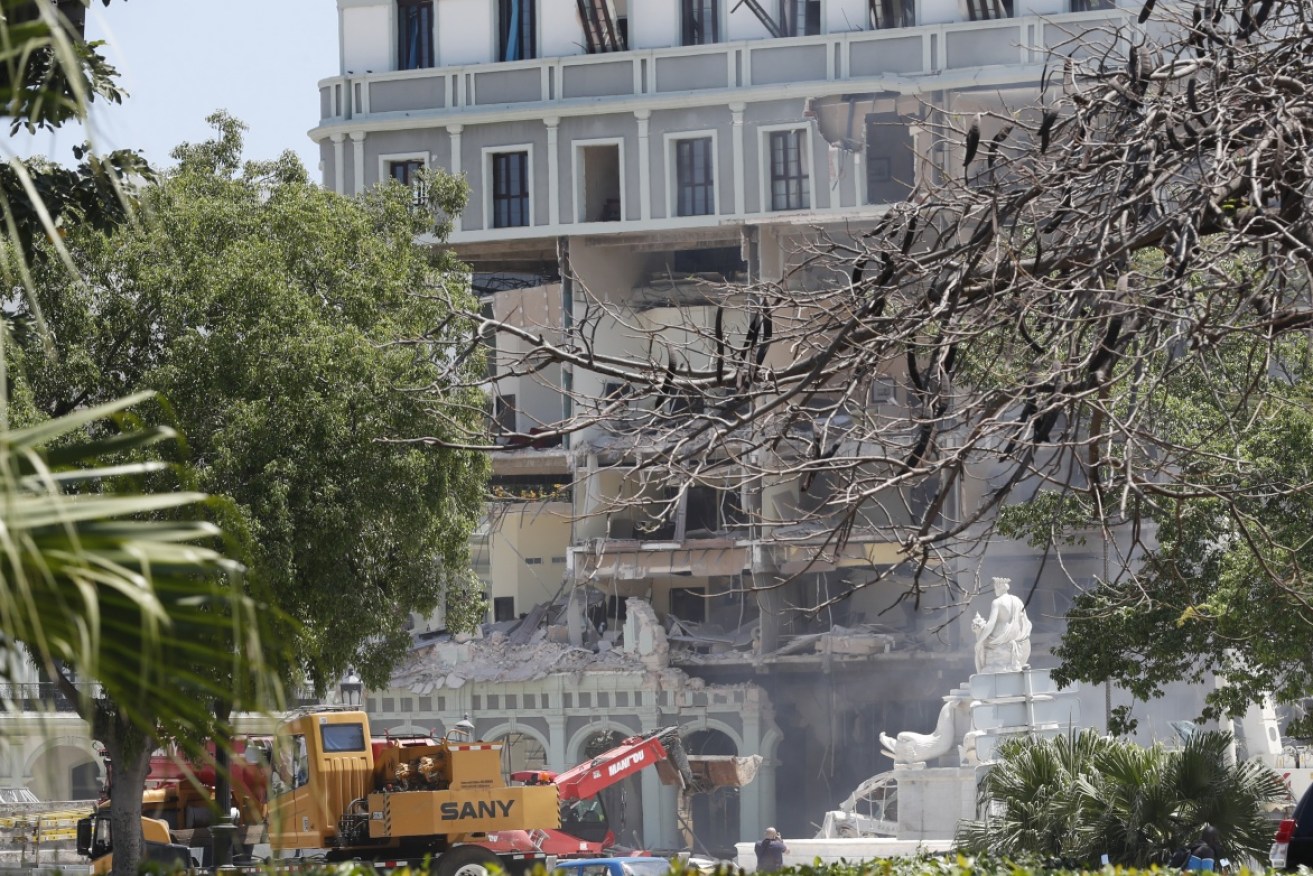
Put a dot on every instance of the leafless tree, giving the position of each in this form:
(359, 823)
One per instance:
(1020, 321)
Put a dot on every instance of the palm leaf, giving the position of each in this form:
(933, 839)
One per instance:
(93, 584)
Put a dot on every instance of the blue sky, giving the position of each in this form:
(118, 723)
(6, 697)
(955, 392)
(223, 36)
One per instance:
(182, 59)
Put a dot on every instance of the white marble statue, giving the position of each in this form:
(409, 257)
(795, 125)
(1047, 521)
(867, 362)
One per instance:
(909, 747)
(1002, 640)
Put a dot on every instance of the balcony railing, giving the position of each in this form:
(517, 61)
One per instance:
(42, 696)
(947, 41)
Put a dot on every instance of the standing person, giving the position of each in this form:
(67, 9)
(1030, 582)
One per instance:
(770, 851)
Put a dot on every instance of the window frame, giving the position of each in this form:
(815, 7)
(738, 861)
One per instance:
(891, 14)
(789, 24)
(502, 32)
(687, 17)
(430, 37)
(766, 157)
(578, 195)
(500, 602)
(673, 139)
(601, 27)
(989, 10)
(387, 160)
(490, 197)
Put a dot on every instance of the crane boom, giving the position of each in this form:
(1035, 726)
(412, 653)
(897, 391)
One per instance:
(631, 756)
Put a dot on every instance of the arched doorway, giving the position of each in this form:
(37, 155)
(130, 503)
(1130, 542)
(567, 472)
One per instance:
(520, 751)
(714, 813)
(85, 782)
(65, 772)
(623, 801)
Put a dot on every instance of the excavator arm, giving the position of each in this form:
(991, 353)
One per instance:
(631, 756)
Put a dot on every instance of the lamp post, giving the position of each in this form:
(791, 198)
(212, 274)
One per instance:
(350, 689)
(462, 730)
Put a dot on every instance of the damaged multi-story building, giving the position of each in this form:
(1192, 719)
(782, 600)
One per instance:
(629, 151)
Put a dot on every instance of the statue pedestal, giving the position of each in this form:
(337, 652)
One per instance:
(1016, 703)
(932, 801)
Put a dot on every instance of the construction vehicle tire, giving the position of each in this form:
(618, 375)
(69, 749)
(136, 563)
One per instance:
(467, 861)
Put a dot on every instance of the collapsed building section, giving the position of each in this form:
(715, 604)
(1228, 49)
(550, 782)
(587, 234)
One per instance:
(555, 704)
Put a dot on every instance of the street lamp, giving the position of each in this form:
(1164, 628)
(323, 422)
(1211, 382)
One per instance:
(350, 688)
(462, 730)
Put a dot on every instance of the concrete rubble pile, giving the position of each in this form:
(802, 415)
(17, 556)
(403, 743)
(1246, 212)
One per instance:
(533, 647)
(698, 643)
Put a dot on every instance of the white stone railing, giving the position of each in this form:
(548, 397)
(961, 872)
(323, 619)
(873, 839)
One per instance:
(945, 43)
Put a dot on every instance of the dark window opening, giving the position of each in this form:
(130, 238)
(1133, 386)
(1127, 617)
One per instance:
(415, 34)
(800, 17)
(503, 608)
(988, 10)
(700, 22)
(408, 174)
(689, 603)
(600, 197)
(602, 28)
(695, 176)
(710, 510)
(890, 158)
(1091, 5)
(510, 190)
(789, 184)
(887, 14)
(617, 607)
(517, 30)
(504, 415)
(532, 486)
(724, 260)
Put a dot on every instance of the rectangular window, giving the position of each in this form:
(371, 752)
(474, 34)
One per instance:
(700, 22)
(343, 737)
(601, 26)
(510, 190)
(503, 608)
(695, 177)
(987, 10)
(415, 34)
(789, 184)
(407, 173)
(887, 14)
(800, 17)
(504, 413)
(516, 30)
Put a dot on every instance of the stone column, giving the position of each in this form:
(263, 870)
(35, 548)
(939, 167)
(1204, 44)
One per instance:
(556, 743)
(660, 828)
(740, 203)
(769, 601)
(644, 117)
(358, 154)
(553, 170)
(750, 796)
(454, 131)
(339, 163)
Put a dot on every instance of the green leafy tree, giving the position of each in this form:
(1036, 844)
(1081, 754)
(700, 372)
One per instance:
(267, 311)
(1222, 591)
(1080, 796)
(105, 579)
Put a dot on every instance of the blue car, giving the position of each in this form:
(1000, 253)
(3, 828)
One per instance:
(612, 867)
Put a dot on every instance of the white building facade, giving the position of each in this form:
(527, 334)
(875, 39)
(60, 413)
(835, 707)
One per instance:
(625, 150)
